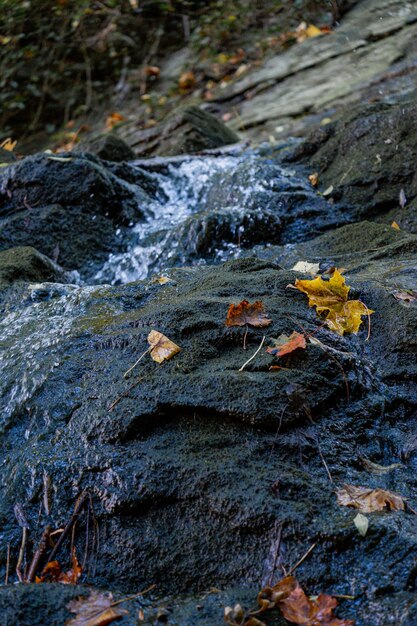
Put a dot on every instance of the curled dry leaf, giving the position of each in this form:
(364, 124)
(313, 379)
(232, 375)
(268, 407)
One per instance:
(162, 348)
(331, 296)
(95, 610)
(246, 313)
(370, 466)
(369, 500)
(286, 344)
(314, 179)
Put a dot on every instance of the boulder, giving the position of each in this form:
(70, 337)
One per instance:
(109, 147)
(28, 265)
(185, 131)
(367, 156)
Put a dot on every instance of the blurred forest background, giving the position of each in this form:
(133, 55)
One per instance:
(62, 60)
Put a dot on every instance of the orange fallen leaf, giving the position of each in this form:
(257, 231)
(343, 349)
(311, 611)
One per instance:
(187, 81)
(113, 119)
(162, 348)
(331, 297)
(369, 500)
(52, 572)
(286, 344)
(395, 226)
(246, 313)
(95, 610)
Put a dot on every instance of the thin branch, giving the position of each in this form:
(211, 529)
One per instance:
(253, 355)
(303, 558)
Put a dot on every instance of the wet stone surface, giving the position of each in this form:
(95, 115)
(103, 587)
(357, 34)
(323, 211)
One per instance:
(206, 480)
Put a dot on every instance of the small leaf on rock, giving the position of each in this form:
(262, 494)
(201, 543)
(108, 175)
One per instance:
(95, 610)
(307, 268)
(369, 500)
(162, 348)
(286, 344)
(246, 313)
(395, 226)
(361, 522)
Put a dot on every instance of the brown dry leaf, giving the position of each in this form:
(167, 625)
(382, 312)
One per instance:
(153, 70)
(113, 119)
(187, 81)
(369, 500)
(162, 348)
(95, 610)
(286, 344)
(8, 144)
(297, 608)
(269, 597)
(314, 179)
(331, 297)
(246, 313)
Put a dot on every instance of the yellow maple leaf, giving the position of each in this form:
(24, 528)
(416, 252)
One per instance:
(331, 296)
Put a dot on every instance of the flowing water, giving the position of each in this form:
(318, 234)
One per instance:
(188, 189)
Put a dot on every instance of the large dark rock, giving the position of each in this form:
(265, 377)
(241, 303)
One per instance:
(368, 156)
(193, 466)
(69, 207)
(186, 131)
(109, 147)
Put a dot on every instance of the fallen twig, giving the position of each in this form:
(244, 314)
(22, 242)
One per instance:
(77, 510)
(303, 558)
(253, 355)
(40, 551)
(141, 593)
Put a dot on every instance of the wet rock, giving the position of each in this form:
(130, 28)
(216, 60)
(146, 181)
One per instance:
(68, 207)
(186, 131)
(78, 240)
(69, 180)
(27, 264)
(109, 147)
(368, 157)
(228, 455)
